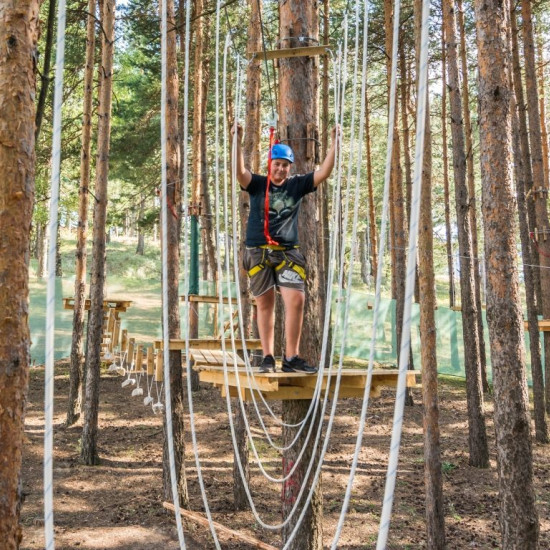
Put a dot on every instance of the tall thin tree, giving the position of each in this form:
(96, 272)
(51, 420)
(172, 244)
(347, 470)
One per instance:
(518, 514)
(95, 325)
(18, 37)
(173, 268)
(539, 190)
(477, 438)
(74, 402)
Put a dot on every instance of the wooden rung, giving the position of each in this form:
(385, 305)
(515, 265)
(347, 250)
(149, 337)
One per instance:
(150, 361)
(544, 325)
(306, 51)
(255, 543)
(159, 376)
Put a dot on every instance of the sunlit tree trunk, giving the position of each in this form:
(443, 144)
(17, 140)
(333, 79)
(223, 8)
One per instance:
(18, 36)
(518, 514)
(433, 483)
(539, 191)
(370, 190)
(525, 153)
(445, 160)
(477, 439)
(472, 195)
(541, 425)
(95, 325)
(74, 402)
(173, 271)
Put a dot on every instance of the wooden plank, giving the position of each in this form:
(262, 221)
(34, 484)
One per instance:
(306, 51)
(216, 377)
(544, 325)
(210, 343)
(221, 528)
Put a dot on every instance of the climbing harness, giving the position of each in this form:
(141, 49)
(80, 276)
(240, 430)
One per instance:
(286, 262)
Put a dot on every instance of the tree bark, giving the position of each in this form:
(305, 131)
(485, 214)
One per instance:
(74, 403)
(433, 483)
(541, 426)
(370, 190)
(526, 158)
(477, 440)
(251, 152)
(173, 261)
(540, 191)
(140, 248)
(445, 160)
(518, 514)
(472, 197)
(298, 83)
(95, 325)
(18, 36)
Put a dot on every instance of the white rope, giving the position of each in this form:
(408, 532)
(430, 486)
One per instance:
(366, 394)
(50, 290)
(166, 337)
(410, 280)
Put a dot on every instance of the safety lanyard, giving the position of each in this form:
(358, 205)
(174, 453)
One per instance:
(268, 238)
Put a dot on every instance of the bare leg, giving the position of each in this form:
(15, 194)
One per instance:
(294, 315)
(265, 306)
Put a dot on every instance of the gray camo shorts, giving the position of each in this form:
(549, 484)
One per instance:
(268, 277)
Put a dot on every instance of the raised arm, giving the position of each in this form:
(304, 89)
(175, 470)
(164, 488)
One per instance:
(243, 173)
(324, 171)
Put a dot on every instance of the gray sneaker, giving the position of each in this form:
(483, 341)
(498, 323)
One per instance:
(268, 364)
(297, 364)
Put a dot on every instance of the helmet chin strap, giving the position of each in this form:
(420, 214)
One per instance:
(272, 141)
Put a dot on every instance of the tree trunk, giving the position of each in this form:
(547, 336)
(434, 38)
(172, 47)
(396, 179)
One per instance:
(518, 515)
(472, 197)
(433, 483)
(370, 190)
(542, 106)
(74, 403)
(172, 261)
(18, 36)
(539, 190)
(541, 426)
(477, 441)
(45, 78)
(251, 152)
(95, 325)
(445, 160)
(140, 248)
(298, 83)
(41, 249)
(526, 158)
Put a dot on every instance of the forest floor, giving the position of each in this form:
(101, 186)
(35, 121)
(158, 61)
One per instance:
(118, 504)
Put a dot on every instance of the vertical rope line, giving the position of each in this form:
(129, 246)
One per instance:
(345, 504)
(166, 339)
(409, 286)
(50, 291)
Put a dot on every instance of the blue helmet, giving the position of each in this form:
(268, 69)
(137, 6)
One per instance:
(281, 151)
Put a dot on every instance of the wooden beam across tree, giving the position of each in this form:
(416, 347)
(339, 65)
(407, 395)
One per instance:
(305, 51)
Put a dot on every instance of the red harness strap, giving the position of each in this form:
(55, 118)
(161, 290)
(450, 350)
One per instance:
(268, 238)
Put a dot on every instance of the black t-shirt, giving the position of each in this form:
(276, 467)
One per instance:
(284, 204)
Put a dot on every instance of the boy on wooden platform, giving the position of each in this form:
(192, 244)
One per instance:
(272, 257)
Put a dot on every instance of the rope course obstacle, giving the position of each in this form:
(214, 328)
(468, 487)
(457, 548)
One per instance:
(225, 361)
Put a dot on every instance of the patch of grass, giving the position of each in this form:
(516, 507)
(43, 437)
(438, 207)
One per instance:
(448, 467)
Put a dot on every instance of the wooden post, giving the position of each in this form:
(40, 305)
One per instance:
(150, 361)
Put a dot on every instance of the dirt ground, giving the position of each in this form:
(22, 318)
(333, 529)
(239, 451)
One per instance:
(118, 504)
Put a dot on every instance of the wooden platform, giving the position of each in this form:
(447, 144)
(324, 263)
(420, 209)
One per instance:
(120, 306)
(285, 386)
